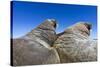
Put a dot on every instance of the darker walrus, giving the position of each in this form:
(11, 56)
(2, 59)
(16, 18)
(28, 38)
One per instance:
(74, 45)
(35, 47)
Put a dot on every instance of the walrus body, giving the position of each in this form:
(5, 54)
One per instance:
(74, 45)
(43, 46)
(35, 47)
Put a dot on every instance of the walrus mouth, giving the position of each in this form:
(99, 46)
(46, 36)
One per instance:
(88, 26)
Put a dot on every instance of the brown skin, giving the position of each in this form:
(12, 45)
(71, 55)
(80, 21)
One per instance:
(35, 47)
(60, 48)
(73, 45)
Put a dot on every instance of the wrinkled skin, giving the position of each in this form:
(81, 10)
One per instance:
(43, 46)
(35, 47)
(74, 45)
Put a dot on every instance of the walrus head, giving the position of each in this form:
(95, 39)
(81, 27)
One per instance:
(45, 31)
(88, 25)
(78, 28)
(53, 22)
(45, 28)
(82, 28)
(49, 24)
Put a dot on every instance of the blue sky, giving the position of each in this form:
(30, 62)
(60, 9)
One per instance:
(28, 15)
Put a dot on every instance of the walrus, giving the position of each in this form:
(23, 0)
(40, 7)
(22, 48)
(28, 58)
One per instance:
(35, 47)
(74, 45)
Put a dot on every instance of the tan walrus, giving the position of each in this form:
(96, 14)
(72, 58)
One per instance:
(74, 45)
(35, 47)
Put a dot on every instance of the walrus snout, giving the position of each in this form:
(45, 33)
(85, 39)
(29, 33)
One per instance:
(88, 25)
(53, 22)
